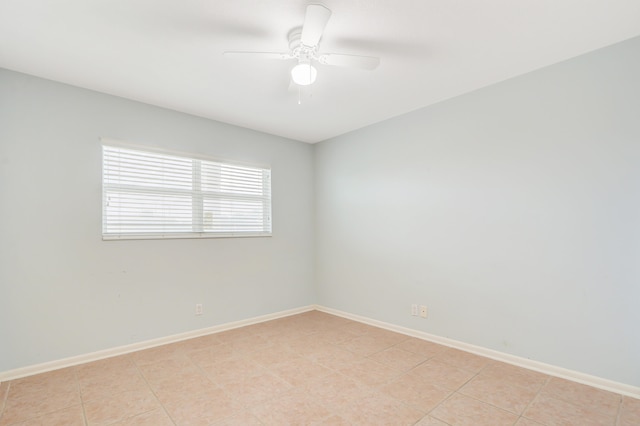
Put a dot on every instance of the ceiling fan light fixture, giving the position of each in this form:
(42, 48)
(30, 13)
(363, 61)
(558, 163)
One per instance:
(304, 74)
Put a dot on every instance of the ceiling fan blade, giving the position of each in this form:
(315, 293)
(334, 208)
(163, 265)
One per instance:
(262, 55)
(351, 61)
(315, 20)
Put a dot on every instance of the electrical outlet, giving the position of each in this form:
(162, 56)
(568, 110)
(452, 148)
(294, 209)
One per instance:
(423, 311)
(414, 310)
(199, 309)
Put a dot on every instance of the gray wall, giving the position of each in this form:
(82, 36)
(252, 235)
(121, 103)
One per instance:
(65, 292)
(512, 212)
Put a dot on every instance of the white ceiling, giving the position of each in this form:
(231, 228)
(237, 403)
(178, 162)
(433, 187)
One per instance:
(169, 53)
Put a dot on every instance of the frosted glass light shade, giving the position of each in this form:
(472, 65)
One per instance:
(303, 74)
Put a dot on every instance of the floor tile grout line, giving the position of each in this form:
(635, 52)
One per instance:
(4, 399)
(574, 404)
(457, 391)
(617, 416)
(218, 385)
(79, 390)
(488, 403)
(439, 404)
(336, 345)
(208, 377)
(35, 416)
(493, 405)
(269, 370)
(546, 382)
(222, 387)
(135, 364)
(453, 392)
(83, 402)
(377, 388)
(619, 412)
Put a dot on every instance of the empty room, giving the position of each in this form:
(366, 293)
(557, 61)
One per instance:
(421, 212)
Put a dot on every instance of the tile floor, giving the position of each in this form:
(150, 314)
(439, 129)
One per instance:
(307, 369)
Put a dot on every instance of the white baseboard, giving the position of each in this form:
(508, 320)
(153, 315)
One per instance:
(551, 370)
(121, 350)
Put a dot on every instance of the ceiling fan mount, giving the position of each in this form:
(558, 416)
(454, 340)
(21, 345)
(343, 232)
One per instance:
(304, 45)
(298, 50)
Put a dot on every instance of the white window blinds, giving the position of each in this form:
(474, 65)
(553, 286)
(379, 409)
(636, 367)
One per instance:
(150, 194)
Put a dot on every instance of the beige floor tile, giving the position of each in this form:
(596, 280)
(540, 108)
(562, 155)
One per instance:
(249, 345)
(442, 374)
(181, 384)
(119, 406)
(235, 334)
(365, 345)
(40, 394)
(202, 408)
(516, 375)
(336, 390)
(165, 368)
(71, 416)
(629, 412)
(157, 417)
(359, 328)
(583, 395)
(335, 335)
(387, 336)
(381, 410)
(157, 354)
(4, 391)
(334, 420)
(58, 381)
(462, 359)
(93, 371)
(274, 356)
(398, 358)
(334, 358)
(257, 389)
(416, 391)
(269, 328)
(526, 422)
(460, 410)
(421, 347)
(300, 371)
(213, 354)
(430, 421)
(309, 327)
(501, 392)
(307, 345)
(287, 340)
(243, 418)
(17, 410)
(197, 343)
(370, 372)
(233, 370)
(111, 382)
(551, 411)
(291, 408)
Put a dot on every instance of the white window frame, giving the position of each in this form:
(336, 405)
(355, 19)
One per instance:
(196, 193)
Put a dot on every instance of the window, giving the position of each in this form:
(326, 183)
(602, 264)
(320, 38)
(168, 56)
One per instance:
(152, 194)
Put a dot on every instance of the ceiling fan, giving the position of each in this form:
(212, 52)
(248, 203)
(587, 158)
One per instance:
(304, 44)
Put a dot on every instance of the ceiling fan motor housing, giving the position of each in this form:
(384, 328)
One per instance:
(299, 50)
